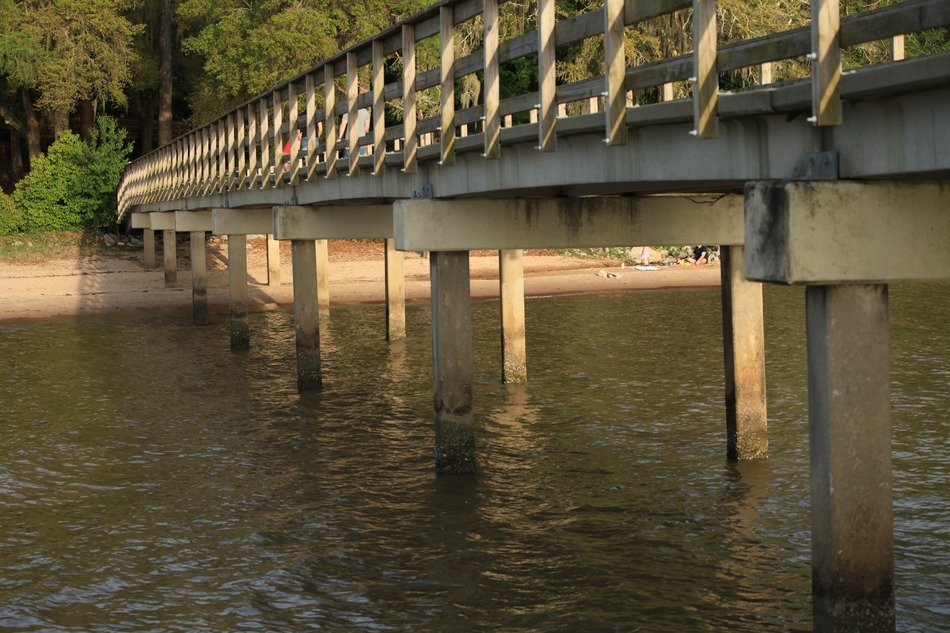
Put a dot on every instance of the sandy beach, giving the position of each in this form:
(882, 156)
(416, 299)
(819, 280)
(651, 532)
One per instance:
(114, 279)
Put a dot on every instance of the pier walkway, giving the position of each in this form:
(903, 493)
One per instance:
(797, 179)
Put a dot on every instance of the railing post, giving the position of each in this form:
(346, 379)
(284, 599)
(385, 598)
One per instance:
(826, 63)
(278, 140)
(247, 177)
(409, 98)
(706, 84)
(353, 131)
(492, 88)
(312, 139)
(616, 104)
(329, 126)
(379, 110)
(220, 155)
(239, 146)
(263, 130)
(447, 67)
(547, 85)
(293, 113)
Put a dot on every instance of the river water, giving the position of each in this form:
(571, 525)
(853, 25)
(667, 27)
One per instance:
(151, 480)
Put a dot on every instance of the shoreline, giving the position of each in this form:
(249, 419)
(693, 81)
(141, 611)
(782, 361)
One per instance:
(113, 281)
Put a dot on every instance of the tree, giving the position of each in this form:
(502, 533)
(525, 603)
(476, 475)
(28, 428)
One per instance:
(62, 53)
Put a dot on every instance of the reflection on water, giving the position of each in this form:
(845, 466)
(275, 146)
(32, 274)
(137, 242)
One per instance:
(152, 480)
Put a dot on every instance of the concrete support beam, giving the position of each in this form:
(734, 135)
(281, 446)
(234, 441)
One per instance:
(306, 320)
(199, 278)
(849, 418)
(273, 259)
(565, 222)
(747, 431)
(192, 221)
(237, 292)
(395, 292)
(323, 278)
(242, 221)
(817, 232)
(164, 221)
(170, 259)
(140, 220)
(452, 362)
(333, 222)
(511, 279)
(148, 239)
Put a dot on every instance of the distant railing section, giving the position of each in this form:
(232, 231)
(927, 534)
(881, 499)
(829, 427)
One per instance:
(256, 145)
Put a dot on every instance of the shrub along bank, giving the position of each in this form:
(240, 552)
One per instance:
(71, 187)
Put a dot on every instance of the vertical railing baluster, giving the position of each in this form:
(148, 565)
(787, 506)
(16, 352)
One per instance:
(492, 89)
(826, 63)
(409, 98)
(896, 48)
(447, 67)
(353, 131)
(330, 125)
(706, 77)
(312, 139)
(379, 110)
(615, 102)
(547, 85)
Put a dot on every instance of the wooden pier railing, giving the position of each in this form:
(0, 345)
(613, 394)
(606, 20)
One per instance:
(244, 148)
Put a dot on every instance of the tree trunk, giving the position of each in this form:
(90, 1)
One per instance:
(87, 115)
(148, 127)
(165, 76)
(32, 125)
(16, 155)
(59, 122)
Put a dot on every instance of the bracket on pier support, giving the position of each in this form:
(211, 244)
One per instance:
(458, 225)
(333, 222)
(846, 232)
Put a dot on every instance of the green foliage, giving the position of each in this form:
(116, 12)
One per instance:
(73, 186)
(68, 50)
(10, 216)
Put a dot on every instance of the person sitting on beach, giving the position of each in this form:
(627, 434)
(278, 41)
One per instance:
(700, 256)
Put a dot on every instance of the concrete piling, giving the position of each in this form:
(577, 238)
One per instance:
(170, 260)
(395, 292)
(273, 260)
(511, 280)
(199, 278)
(237, 292)
(148, 239)
(323, 278)
(452, 362)
(849, 419)
(306, 319)
(747, 435)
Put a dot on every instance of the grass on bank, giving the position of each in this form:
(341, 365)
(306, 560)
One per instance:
(35, 248)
